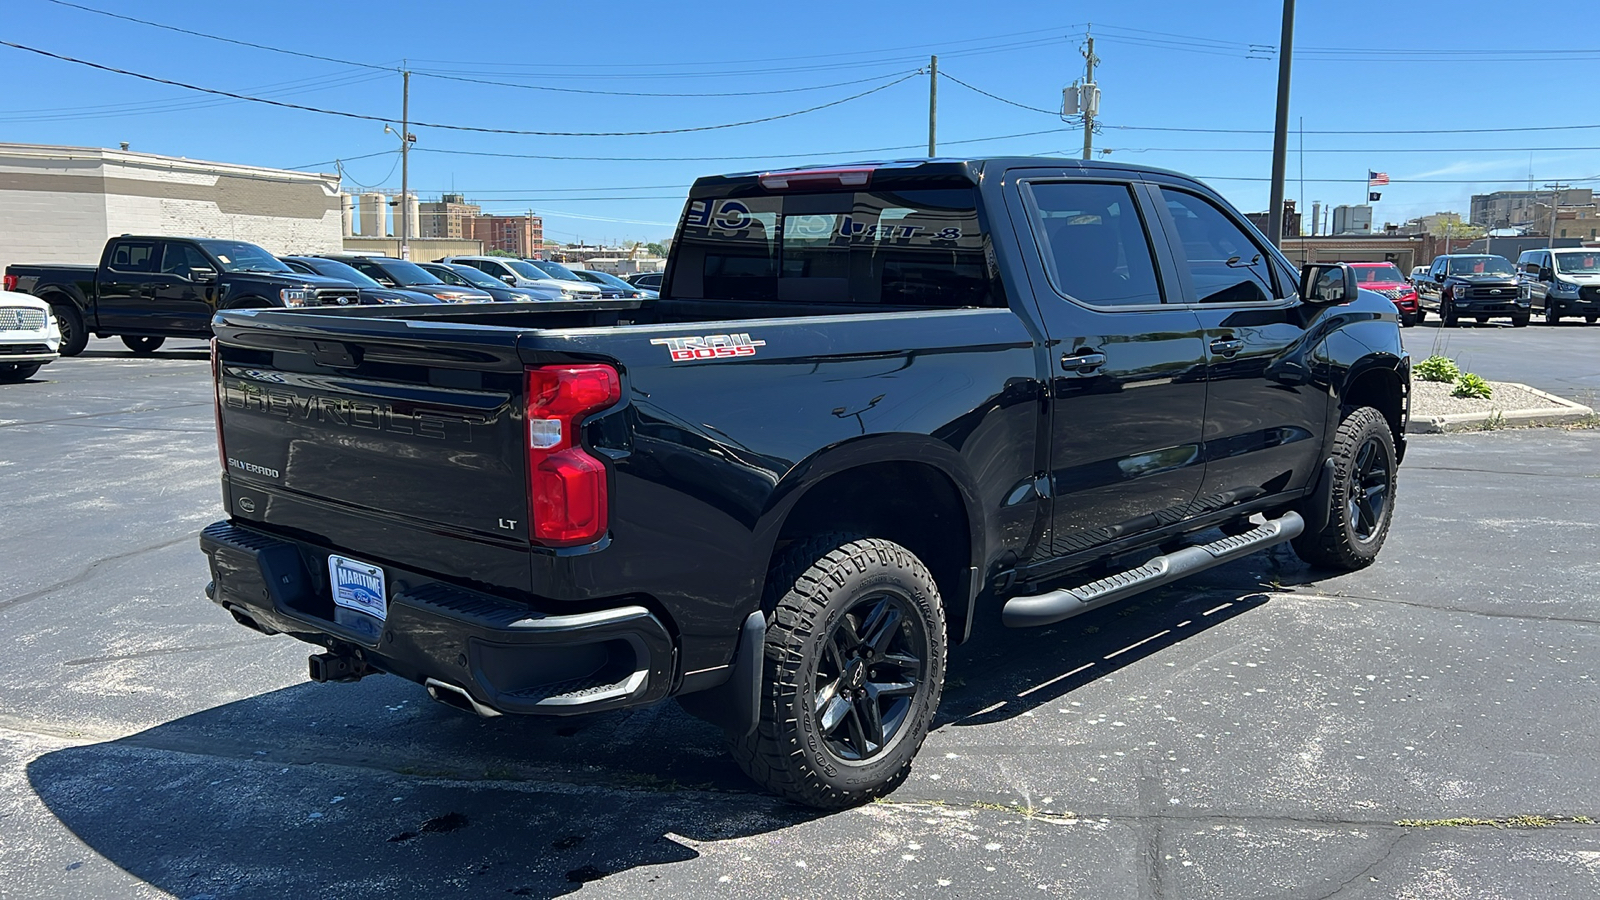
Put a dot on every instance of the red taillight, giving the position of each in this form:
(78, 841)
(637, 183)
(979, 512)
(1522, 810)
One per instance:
(11, 282)
(216, 399)
(855, 176)
(567, 495)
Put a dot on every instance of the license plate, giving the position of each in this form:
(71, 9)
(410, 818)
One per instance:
(358, 586)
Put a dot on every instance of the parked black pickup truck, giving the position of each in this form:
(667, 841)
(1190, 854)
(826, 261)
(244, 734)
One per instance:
(1473, 285)
(872, 405)
(147, 289)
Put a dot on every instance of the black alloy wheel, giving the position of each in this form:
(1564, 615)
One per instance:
(1368, 497)
(74, 337)
(871, 672)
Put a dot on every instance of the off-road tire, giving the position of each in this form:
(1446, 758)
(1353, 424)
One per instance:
(810, 589)
(74, 336)
(13, 372)
(143, 346)
(1340, 545)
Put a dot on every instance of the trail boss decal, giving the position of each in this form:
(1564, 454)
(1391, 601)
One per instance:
(709, 346)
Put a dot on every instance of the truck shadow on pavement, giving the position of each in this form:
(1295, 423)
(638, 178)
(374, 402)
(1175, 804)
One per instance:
(370, 788)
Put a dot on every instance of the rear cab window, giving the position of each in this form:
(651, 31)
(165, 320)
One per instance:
(132, 256)
(895, 247)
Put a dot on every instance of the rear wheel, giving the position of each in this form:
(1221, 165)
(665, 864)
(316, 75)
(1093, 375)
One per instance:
(10, 372)
(854, 667)
(74, 337)
(1361, 495)
(1590, 320)
(1422, 314)
(143, 346)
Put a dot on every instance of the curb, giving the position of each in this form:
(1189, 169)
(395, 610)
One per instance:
(1559, 412)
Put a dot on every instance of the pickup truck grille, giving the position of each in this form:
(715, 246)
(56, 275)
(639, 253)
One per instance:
(21, 318)
(338, 296)
(1501, 292)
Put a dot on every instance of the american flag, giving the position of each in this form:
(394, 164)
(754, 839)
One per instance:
(1376, 178)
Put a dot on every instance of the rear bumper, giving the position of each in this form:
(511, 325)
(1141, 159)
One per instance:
(503, 656)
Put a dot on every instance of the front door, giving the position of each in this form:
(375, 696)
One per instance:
(178, 304)
(122, 286)
(1127, 394)
(1263, 414)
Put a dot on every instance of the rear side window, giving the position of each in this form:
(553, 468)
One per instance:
(915, 248)
(1095, 248)
(133, 256)
(1226, 265)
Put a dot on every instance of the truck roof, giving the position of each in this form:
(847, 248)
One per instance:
(921, 170)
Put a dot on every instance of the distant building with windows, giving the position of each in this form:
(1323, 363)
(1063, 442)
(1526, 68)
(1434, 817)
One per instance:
(446, 218)
(1525, 209)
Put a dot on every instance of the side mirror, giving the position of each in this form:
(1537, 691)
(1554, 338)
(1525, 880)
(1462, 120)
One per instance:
(202, 276)
(1439, 278)
(1546, 273)
(1327, 284)
(509, 279)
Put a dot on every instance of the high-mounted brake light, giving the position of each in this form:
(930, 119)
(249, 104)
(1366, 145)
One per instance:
(854, 176)
(11, 282)
(567, 495)
(216, 397)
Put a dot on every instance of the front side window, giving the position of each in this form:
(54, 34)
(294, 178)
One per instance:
(182, 259)
(527, 270)
(1225, 265)
(133, 256)
(914, 247)
(1094, 245)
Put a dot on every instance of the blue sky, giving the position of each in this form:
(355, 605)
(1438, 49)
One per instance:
(1360, 67)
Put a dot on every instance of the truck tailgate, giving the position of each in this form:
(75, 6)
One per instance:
(392, 440)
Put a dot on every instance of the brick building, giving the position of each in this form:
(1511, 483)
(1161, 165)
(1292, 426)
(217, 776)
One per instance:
(447, 217)
(60, 204)
(521, 235)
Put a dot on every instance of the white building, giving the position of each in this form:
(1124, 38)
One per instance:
(60, 204)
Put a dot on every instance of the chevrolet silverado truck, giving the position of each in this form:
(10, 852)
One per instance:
(873, 405)
(147, 289)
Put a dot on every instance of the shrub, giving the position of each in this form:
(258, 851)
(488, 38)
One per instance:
(1470, 385)
(1438, 368)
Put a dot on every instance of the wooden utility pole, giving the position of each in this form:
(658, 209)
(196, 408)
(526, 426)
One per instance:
(933, 106)
(1280, 129)
(1089, 59)
(405, 168)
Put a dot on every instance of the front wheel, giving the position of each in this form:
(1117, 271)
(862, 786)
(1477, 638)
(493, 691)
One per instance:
(11, 372)
(1422, 314)
(143, 346)
(853, 670)
(1590, 320)
(1360, 499)
(1447, 314)
(1551, 316)
(1520, 321)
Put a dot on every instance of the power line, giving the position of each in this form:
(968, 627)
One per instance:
(340, 160)
(468, 128)
(565, 90)
(748, 157)
(998, 97)
(1367, 150)
(1387, 131)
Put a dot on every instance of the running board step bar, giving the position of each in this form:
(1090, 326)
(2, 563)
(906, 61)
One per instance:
(1053, 606)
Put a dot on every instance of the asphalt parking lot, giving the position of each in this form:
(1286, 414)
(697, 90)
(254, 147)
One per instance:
(1257, 732)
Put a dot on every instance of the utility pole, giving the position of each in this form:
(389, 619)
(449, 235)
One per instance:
(933, 104)
(405, 169)
(1280, 129)
(1554, 203)
(1090, 106)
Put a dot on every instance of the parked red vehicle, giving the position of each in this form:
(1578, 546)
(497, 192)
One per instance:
(1386, 278)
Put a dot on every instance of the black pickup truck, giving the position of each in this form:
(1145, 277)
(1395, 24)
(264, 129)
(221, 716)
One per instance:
(1473, 285)
(873, 405)
(147, 289)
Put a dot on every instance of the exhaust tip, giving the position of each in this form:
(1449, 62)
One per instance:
(453, 695)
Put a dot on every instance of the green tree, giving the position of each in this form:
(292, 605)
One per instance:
(656, 248)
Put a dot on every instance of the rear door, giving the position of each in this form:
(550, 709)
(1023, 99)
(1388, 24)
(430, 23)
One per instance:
(123, 298)
(1127, 392)
(1263, 413)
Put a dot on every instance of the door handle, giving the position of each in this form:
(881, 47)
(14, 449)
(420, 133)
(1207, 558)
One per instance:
(1082, 365)
(1226, 346)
